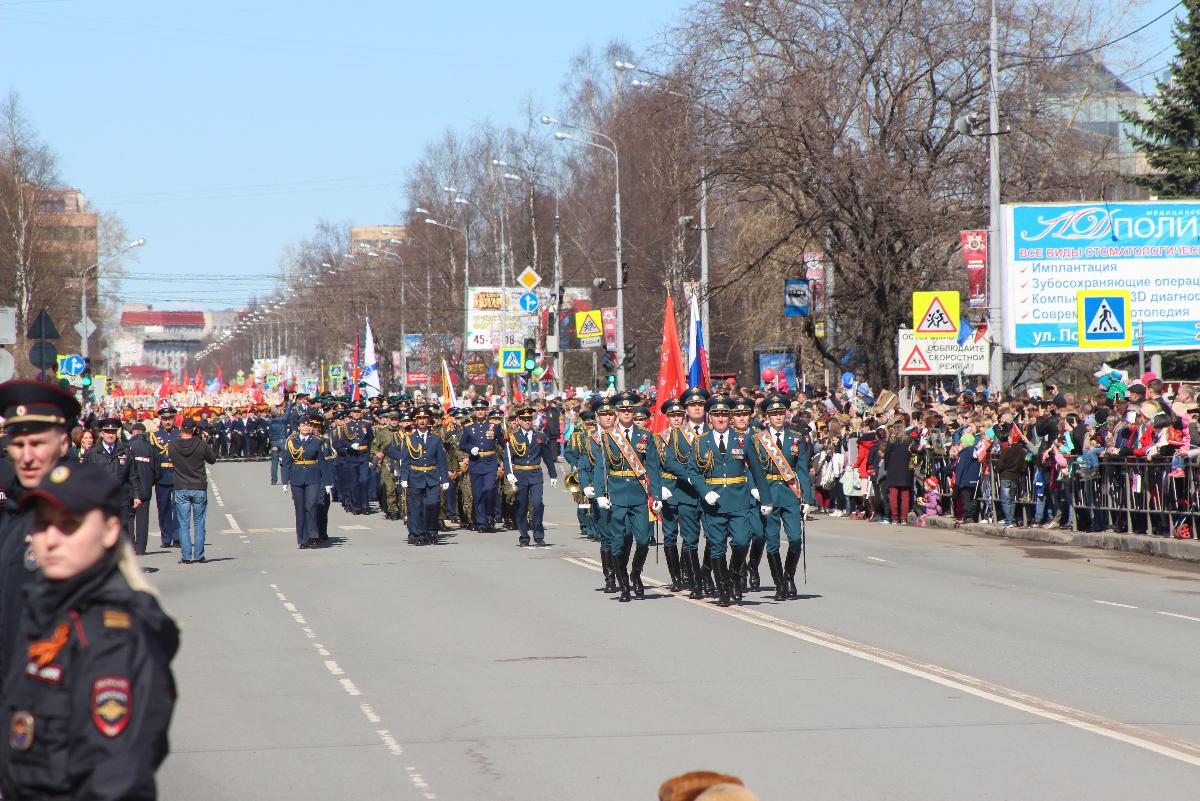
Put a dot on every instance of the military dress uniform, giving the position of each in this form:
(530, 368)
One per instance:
(524, 455)
(743, 423)
(355, 446)
(479, 441)
(307, 473)
(575, 452)
(676, 494)
(723, 470)
(780, 452)
(628, 469)
(450, 433)
(164, 488)
(389, 497)
(423, 476)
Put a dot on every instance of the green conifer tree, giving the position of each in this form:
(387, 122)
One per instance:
(1169, 136)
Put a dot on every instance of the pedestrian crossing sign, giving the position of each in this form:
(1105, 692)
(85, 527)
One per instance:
(935, 314)
(512, 360)
(1104, 318)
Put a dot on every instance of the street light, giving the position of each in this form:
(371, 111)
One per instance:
(611, 149)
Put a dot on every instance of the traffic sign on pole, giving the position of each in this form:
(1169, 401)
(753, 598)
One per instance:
(85, 327)
(529, 302)
(43, 355)
(529, 278)
(1104, 318)
(512, 360)
(71, 364)
(935, 314)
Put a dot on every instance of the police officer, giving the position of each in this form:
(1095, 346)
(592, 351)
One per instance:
(723, 472)
(633, 479)
(355, 448)
(478, 441)
(144, 462)
(308, 475)
(111, 455)
(277, 431)
(164, 488)
(37, 418)
(423, 476)
(89, 701)
(525, 452)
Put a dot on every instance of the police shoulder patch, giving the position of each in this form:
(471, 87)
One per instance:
(112, 704)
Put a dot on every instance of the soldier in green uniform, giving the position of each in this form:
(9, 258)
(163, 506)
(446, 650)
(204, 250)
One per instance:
(387, 434)
(575, 451)
(593, 479)
(782, 453)
(740, 422)
(671, 497)
(723, 471)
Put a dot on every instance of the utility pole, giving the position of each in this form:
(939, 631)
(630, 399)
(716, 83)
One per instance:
(995, 243)
(704, 258)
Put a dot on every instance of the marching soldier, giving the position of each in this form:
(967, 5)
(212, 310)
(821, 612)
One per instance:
(387, 434)
(524, 454)
(779, 450)
(423, 476)
(324, 499)
(740, 423)
(164, 489)
(723, 471)
(478, 441)
(506, 495)
(355, 447)
(575, 451)
(594, 480)
(308, 475)
(629, 467)
(456, 463)
(673, 446)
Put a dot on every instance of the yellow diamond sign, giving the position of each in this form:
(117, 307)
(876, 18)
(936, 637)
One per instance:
(529, 278)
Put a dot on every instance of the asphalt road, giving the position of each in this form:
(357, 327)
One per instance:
(926, 664)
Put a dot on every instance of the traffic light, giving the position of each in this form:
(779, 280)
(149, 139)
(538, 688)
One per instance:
(630, 360)
(85, 380)
(530, 357)
(612, 382)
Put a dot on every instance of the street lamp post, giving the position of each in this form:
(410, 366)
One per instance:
(83, 318)
(387, 254)
(995, 310)
(611, 149)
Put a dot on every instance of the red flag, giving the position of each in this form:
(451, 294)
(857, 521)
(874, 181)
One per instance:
(671, 379)
(198, 382)
(220, 378)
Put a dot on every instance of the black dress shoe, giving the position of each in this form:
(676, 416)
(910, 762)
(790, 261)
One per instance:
(539, 543)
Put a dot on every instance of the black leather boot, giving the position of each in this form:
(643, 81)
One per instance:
(753, 580)
(789, 571)
(697, 583)
(672, 554)
(721, 576)
(610, 575)
(621, 562)
(737, 561)
(776, 566)
(685, 570)
(635, 575)
(706, 572)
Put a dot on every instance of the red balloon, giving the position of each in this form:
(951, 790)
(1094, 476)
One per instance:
(731, 382)
(783, 384)
(768, 374)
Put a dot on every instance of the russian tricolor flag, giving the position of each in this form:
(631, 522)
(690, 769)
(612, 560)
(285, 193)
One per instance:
(697, 356)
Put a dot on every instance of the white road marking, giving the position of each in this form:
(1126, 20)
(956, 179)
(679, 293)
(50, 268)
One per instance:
(1184, 617)
(1114, 603)
(390, 742)
(876, 559)
(355, 527)
(1138, 737)
(234, 528)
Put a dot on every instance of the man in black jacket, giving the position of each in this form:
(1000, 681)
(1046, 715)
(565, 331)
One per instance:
(189, 454)
(111, 454)
(145, 465)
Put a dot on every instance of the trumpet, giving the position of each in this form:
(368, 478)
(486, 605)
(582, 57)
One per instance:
(571, 481)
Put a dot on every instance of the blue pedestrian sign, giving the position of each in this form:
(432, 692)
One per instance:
(72, 365)
(1104, 319)
(529, 302)
(512, 360)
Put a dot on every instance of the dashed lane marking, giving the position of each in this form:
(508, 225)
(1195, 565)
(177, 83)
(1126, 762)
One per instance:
(1155, 742)
(355, 527)
(1114, 603)
(234, 528)
(1183, 617)
(876, 559)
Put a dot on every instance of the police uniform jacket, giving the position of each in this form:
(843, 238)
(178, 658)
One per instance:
(355, 441)
(166, 471)
(483, 436)
(118, 463)
(143, 462)
(277, 427)
(15, 571)
(308, 461)
(422, 463)
(525, 454)
(613, 475)
(731, 474)
(89, 696)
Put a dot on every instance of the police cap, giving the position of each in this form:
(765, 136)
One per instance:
(110, 424)
(78, 489)
(32, 405)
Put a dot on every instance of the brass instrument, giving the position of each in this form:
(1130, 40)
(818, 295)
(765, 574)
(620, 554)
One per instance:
(573, 486)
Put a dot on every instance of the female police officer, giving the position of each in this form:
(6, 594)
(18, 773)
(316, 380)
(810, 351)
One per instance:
(89, 692)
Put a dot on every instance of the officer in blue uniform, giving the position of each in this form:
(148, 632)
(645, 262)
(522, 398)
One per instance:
(478, 441)
(317, 421)
(354, 454)
(525, 452)
(277, 431)
(164, 488)
(628, 465)
(308, 475)
(723, 471)
(423, 475)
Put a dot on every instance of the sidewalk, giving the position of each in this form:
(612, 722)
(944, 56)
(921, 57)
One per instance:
(1185, 550)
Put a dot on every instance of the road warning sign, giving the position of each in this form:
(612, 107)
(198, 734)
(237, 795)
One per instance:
(935, 314)
(916, 362)
(1104, 318)
(589, 327)
(940, 356)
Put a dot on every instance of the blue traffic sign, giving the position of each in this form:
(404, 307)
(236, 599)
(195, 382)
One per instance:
(512, 360)
(529, 302)
(1104, 318)
(72, 365)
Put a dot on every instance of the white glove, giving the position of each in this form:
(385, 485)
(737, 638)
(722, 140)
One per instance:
(329, 490)
(711, 498)
(512, 479)
(446, 486)
(666, 494)
(754, 492)
(603, 503)
(589, 492)
(766, 510)
(287, 487)
(554, 482)
(475, 451)
(805, 509)
(404, 484)
(656, 507)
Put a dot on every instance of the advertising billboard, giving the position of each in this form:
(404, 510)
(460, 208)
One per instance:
(1063, 259)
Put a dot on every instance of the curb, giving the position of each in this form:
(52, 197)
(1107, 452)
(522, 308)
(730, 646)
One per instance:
(1166, 547)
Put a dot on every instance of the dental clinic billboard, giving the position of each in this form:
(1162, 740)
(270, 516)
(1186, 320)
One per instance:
(1054, 252)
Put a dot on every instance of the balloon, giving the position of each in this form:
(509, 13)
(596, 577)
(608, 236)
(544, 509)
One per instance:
(783, 384)
(768, 374)
(731, 382)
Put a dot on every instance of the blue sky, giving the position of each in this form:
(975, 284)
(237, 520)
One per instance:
(222, 131)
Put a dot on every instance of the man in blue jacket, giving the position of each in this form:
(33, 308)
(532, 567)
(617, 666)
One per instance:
(164, 488)
(524, 454)
(277, 428)
(479, 441)
(308, 475)
(423, 476)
